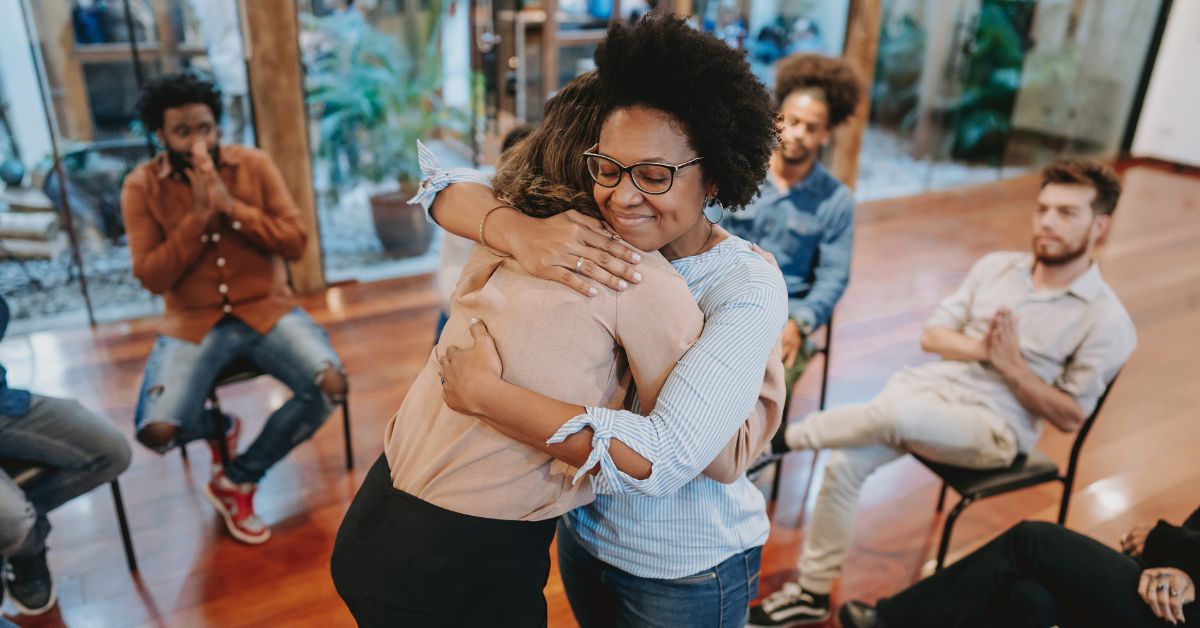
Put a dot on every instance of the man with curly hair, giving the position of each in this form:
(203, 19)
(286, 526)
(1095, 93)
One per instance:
(1028, 338)
(209, 228)
(803, 215)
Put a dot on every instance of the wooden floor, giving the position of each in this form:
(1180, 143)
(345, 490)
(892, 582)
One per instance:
(1142, 461)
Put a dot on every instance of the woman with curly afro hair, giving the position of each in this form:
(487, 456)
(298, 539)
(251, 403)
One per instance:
(688, 126)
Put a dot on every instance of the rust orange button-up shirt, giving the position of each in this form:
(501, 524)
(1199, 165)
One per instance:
(231, 265)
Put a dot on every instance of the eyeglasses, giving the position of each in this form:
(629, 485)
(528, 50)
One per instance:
(648, 176)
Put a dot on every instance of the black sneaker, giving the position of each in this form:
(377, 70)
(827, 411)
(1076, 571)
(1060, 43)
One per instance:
(790, 606)
(29, 583)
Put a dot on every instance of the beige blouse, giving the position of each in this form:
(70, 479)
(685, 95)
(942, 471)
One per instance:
(568, 347)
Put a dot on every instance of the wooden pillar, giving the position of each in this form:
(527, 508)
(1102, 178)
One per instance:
(64, 73)
(168, 48)
(862, 47)
(550, 50)
(271, 31)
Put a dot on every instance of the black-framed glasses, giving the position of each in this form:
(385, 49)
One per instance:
(648, 176)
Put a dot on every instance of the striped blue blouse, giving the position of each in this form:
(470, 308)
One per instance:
(677, 522)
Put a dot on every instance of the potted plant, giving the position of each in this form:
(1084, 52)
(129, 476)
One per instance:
(375, 95)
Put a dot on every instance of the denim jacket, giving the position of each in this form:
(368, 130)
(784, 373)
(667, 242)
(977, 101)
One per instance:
(809, 228)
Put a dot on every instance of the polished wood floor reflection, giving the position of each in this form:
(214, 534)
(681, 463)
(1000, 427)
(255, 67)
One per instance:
(1140, 463)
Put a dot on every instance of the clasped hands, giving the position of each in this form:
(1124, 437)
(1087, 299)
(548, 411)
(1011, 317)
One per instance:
(209, 193)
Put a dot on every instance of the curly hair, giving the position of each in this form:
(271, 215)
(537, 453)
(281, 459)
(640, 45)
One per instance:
(660, 62)
(1089, 172)
(176, 90)
(832, 79)
(544, 174)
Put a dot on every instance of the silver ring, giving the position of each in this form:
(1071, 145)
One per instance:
(443, 379)
(1160, 587)
(1162, 574)
(1174, 593)
(579, 265)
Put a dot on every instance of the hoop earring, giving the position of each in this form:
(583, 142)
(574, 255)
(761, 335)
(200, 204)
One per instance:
(704, 210)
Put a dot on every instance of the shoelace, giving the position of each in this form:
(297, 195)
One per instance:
(791, 592)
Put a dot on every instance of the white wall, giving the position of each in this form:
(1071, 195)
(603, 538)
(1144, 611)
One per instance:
(1169, 126)
(26, 116)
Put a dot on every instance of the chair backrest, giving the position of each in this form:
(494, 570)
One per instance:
(1077, 446)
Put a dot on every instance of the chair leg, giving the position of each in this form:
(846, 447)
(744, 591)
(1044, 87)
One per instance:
(947, 529)
(942, 499)
(346, 432)
(776, 480)
(220, 427)
(1066, 501)
(123, 523)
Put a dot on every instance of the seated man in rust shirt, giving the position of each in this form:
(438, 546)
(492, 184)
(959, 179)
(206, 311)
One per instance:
(209, 228)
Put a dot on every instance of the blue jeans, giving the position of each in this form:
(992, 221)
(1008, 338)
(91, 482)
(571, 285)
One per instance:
(603, 596)
(179, 375)
(81, 451)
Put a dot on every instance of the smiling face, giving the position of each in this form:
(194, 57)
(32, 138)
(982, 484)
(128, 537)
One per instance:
(1065, 227)
(653, 221)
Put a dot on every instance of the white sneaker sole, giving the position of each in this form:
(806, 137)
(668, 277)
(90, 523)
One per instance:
(34, 612)
(233, 529)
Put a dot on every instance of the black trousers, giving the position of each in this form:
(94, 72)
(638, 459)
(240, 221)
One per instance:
(401, 561)
(1034, 575)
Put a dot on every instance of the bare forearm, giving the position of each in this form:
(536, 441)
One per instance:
(1044, 400)
(953, 345)
(461, 207)
(533, 418)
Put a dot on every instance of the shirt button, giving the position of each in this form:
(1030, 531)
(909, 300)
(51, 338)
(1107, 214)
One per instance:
(222, 288)
(228, 308)
(221, 261)
(237, 224)
(204, 238)
(216, 237)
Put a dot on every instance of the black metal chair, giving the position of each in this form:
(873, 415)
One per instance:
(1026, 471)
(27, 473)
(241, 370)
(823, 351)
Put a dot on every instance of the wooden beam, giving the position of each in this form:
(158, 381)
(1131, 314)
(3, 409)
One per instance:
(862, 47)
(169, 60)
(550, 51)
(63, 70)
(271, 31)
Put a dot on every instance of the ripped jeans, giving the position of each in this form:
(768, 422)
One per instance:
(179, 375)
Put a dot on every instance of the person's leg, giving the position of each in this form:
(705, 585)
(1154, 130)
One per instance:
(830, 533)
(80, 451)
(178, 377)
(827, 541)
(917, 421)
(1073, 568)
(593, 601)
(17, 514)
(296, 352)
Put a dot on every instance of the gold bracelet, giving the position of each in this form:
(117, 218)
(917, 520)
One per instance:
(484, 222)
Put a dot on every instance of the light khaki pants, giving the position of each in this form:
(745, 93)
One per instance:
(902, 419)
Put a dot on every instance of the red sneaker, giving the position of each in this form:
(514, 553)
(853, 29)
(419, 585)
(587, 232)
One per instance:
(231, 442)
(235, 503)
